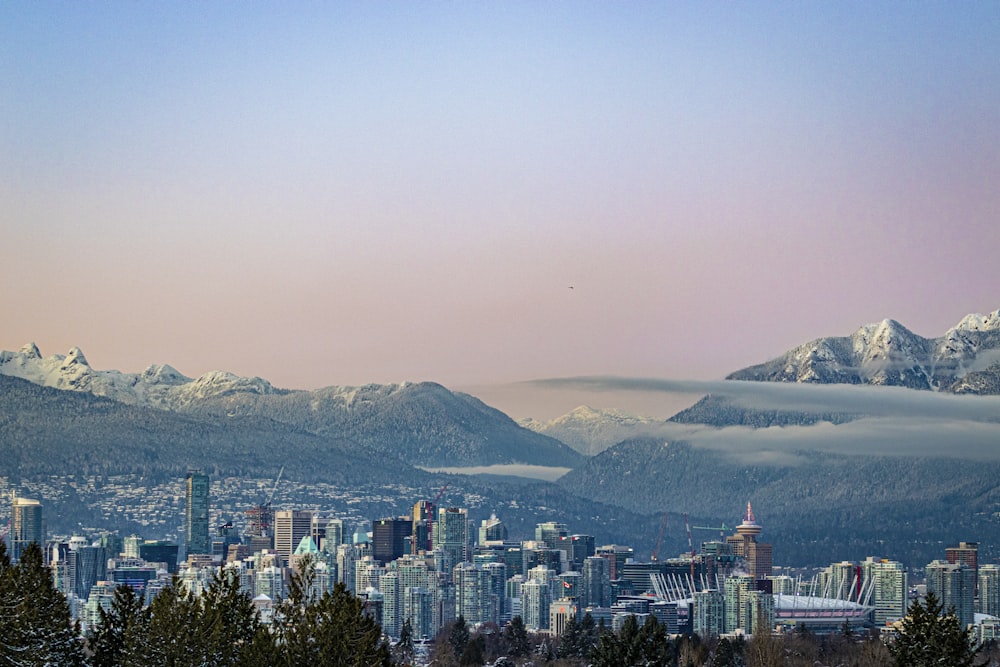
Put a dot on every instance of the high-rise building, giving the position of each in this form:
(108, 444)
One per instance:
(738, 590)
(290, 526)
(25, 525)
(535, 604)
(196, 517)
(890, 586)
(419, 610)
(989, 590)
(965, 552)
(759, 612)
(491, 530)
(758, 555)
(451, 536)
(391, 538)
(596, 585)
(617, 555)
(90, 565)
(550, 532)
(392, 603)
(709, 613)
(472, 593)
(577, 547)
(955, 586)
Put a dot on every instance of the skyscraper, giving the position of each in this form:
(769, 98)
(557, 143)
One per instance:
(955, 585)
(25, 525)
(290, 526)
(989, 590)
(196, 519)
(890, 589)
(391, 538)
(451, 535)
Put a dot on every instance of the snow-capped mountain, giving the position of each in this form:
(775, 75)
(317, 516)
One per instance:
(159, 386)
(966, 359)
(421, 423)
(590, 431)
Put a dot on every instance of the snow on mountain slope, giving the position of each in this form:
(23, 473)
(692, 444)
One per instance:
(887, 353)
(159, 386)
(591, 431)
(421, 423)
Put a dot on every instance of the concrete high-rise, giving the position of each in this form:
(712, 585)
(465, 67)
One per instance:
(989, 590)
(25, 525)
(955, 586)
(196, 516)
(890, 588)
(472, 593)
(965, 552)
(758, 555)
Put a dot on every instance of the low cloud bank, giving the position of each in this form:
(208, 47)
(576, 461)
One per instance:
(896, 421)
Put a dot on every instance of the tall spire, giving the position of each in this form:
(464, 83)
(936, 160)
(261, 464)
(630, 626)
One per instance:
(749, 517)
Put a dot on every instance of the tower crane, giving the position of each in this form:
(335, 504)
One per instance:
(687, 527)
(655, 556)
(722, 529)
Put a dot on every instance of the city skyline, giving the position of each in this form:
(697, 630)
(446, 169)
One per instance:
(483, 195)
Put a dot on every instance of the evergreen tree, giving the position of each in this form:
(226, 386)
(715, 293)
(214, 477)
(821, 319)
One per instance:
(403, 651)
(332, 629)
(37, 627)
(474, 652)
(458, 636)
(515, 638)
(929, 638)
(571, 640)
(126, 616)
(726, 655)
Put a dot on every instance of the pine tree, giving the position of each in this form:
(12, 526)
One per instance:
(332, 629)
(126, 616)
(37, 629)
(403, 651)
(515, 638)
(927, 638)
(458, 636)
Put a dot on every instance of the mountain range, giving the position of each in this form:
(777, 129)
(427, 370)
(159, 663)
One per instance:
(423, 424)
(965, 360)
(60, 416)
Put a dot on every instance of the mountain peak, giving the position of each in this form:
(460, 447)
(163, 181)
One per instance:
(978, 322)
(75, 356)
(887, 353)
(31, 351)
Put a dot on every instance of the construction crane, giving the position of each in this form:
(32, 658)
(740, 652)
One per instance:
(261, 516)
(430, 516)
(687, 527)
(722, 529)
(655, 556)
(274, 488)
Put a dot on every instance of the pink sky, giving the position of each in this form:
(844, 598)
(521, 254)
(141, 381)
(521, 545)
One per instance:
(343, 195)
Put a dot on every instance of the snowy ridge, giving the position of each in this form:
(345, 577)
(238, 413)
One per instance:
(966, 359)
(159, 386)
(591, 431)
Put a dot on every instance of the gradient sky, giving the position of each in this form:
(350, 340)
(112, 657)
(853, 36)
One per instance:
(323, 193)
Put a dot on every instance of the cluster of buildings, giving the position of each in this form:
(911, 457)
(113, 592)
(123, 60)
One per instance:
(430, 567)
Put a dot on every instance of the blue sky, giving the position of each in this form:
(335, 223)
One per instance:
(346, 193)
